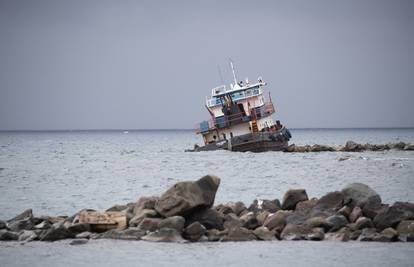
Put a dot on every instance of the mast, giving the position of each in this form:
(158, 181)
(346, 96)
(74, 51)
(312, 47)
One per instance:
(234, 73)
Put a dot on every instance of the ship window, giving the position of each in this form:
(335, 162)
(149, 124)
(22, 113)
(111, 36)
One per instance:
(224, 136)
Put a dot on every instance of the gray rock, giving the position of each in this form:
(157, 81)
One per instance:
(332, 200)
(363, 222)
(8, 235)
(276, 221)
(263, 233)
(307, 205)
(142, 214)
(27, 214)
(358, 194)
(351, 146)
(174, 222)
(318, 222)
(131, 233)
(194, 231)
(77, 242)
(78, 228)
(393, 215)
(149, 224)
(236, 207)
(293, 197)
(186, 197)
(210, 218)
(337, 222)
(405, 230)
(355, 214)
(223, 209)
(316, 234)
(43, 225)
(164, 235)
(262, 216)
(345, 211)
(231, 220)
(19, 225)
(294, 232)
(369, 234)
(56, 232)
(84, 235)
(249, 221)
(390, 234)
(145, 203)
(215, 235)
(355, 234)
(338, 236)
(271, 205)
(118, 208)
(3, 225)
(239, 234)
(27, 235)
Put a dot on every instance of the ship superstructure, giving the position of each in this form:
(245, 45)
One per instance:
(241, 119)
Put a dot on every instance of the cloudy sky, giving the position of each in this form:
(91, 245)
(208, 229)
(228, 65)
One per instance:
(150, 64)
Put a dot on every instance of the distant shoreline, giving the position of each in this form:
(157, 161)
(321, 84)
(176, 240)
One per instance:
(186, 130)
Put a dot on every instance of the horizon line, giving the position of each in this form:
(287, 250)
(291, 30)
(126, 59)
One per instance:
(192, 129)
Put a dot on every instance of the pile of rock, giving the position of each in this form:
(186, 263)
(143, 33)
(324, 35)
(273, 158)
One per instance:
(350, 146)
(185, 212)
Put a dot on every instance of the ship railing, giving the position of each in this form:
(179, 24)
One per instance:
(236, 118)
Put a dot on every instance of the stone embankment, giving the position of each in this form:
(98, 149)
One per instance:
(350, 146)
(186, 213)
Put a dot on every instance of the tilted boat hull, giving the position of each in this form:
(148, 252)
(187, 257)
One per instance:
(253, 142)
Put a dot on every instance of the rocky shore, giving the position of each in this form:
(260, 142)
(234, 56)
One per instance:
(186, 213)
(350, 146)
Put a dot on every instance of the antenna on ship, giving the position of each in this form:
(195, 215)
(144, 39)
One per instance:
(234, 73)
(220, 74)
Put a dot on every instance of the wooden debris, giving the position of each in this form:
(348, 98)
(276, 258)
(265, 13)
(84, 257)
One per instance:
(103, 221)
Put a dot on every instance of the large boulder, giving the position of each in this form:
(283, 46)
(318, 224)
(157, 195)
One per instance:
(358, 194)
(393, 215)
(293, 197)
(3, 225)
(210, 218)
(186, 197)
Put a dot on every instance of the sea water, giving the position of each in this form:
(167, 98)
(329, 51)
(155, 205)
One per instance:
(60, 173)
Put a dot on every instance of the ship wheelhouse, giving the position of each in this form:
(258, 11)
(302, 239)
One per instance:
(239, 110)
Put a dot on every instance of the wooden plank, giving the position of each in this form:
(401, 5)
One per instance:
(102, 221)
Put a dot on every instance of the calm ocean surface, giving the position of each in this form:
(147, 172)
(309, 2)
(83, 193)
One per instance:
(59, 173)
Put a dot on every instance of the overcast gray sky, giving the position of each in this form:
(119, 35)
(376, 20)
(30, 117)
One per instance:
(150, 64)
